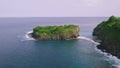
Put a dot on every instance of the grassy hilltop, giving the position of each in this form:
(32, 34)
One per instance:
(55, 32)
(109, 33)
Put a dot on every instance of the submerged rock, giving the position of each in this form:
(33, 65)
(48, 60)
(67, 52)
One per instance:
(109, 34)
(55, 32)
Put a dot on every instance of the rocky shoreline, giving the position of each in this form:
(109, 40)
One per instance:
(109, 34)
(65, 32)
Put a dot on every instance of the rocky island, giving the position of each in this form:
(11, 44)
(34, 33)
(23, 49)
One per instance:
(109, 34)
(55, 32)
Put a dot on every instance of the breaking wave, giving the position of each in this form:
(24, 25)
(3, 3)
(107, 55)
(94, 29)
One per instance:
(28, 37)
(88, 39)
(112, 59)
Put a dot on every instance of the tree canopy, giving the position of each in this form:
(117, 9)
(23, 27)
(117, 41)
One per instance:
(52, 31)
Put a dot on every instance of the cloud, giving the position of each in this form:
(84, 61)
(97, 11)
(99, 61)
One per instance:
(91, 3)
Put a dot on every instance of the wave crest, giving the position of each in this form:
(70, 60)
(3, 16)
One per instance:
(28, 37)
(88, 39)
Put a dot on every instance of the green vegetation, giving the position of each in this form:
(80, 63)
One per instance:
(109, 33)
(56, 32)
(109, 30)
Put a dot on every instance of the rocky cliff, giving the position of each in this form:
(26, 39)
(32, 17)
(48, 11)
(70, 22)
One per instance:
(109, 33)
(55, 32)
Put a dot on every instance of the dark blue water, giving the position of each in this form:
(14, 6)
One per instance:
(18, 52)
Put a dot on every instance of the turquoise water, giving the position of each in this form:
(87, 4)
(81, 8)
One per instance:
(17, 51)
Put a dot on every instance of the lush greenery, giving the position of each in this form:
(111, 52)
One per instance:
(109, 30)
(56, 32)
(109, 33)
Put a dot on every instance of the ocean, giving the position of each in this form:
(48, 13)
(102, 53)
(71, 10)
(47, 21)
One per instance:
(17, 50)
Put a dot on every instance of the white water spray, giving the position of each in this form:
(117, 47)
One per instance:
(28, 37)
(109, 57)
(88, 39)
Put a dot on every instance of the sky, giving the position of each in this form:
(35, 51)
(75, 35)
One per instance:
(59, 8)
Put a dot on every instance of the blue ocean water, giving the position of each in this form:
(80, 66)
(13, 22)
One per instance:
(17, 51)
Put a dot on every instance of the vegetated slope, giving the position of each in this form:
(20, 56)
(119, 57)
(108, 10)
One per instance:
(109, 33)
(55, 32)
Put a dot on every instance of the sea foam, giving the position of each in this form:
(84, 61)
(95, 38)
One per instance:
(28, 37)
(88, 39)
(112, 59)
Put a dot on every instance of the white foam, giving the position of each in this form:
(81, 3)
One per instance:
(28, 37)
(112, 59)
(88, 39)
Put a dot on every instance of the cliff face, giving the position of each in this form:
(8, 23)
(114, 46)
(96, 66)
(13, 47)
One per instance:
(109, 33)
(55, 32)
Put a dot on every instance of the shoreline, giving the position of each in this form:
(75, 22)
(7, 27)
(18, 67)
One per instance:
(28, 36)
(109, 56)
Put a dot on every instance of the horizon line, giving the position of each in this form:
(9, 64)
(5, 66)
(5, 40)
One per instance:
(55, 16)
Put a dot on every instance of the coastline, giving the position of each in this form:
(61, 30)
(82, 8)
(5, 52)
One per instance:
(29, 37)
(110, 57)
